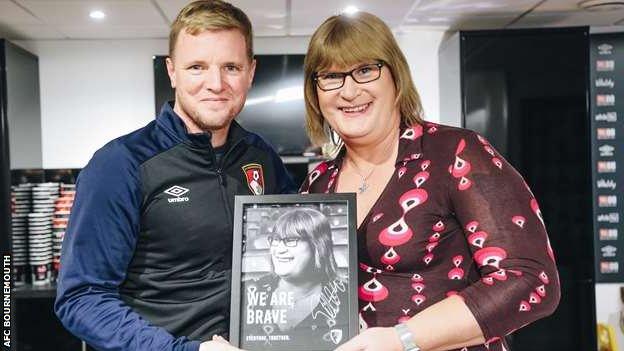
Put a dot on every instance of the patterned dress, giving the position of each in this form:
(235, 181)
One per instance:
(454, 219)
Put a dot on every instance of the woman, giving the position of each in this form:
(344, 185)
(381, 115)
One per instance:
(453, 251)
(304, 292)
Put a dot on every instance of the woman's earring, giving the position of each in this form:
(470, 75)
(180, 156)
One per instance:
(333, 136)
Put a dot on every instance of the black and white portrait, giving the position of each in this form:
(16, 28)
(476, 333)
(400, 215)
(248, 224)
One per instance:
(294, 291)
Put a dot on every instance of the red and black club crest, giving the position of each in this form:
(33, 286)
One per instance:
(255, 178)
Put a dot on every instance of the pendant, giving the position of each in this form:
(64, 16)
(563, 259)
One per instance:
(362, 188)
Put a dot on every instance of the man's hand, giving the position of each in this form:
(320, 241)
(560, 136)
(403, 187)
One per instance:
(217, 344)
(374, 339)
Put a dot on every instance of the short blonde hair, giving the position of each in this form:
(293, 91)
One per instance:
(346, 40)
(203, 15)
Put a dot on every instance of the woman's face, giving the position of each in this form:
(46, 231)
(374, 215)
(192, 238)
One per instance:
(361, 113)
(291, 261)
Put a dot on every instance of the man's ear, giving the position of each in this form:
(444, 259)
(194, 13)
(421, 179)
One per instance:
(171, 71)
(252, 71)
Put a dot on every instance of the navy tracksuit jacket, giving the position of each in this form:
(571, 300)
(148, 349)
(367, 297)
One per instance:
(146, 259)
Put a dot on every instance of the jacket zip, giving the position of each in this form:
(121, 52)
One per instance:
(222, 181)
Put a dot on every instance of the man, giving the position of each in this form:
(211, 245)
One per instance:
(147, 255)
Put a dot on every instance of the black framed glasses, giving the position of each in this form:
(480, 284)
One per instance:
(288, 242)
(335, 80)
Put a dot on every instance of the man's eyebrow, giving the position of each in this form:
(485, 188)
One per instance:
(203, 63)
(192, 63)
(233, 63)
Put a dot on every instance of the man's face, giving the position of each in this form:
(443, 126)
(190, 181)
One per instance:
(211, 73)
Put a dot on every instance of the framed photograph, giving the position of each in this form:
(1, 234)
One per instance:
(294, 272)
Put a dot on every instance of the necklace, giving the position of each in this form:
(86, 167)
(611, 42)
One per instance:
(363, 185)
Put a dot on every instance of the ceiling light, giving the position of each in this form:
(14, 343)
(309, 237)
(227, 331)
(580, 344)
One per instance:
(349, 10)
(97, 14)
(601, 5)
(438, 19)
(488, 5)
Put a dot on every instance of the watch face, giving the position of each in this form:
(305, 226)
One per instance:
(407, 338)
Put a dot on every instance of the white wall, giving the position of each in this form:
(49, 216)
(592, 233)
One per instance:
(421, 50)
(93, 91)
(450, 81)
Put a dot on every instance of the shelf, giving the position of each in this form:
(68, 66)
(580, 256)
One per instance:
(35, 292)
(301, 159)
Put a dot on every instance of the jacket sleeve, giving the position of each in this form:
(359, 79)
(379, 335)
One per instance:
(507, 238)
(98, 246)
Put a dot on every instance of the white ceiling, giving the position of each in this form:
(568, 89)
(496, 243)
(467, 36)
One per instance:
(127, 19)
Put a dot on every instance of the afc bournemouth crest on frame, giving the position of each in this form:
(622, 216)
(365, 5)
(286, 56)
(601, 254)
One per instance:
(255, 178)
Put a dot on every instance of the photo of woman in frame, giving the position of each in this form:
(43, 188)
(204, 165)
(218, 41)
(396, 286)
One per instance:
(301, 303)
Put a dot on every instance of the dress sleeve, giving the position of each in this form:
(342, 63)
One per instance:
(315, 181)
(505, 231)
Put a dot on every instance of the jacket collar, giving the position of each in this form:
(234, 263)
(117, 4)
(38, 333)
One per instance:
(175, 127)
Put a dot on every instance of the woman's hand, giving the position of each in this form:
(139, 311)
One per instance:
(374, 339)
(217, 344)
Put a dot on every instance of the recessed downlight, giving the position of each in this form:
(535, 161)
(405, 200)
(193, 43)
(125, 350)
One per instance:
(97, 14)
(601, 5)
(349, 10)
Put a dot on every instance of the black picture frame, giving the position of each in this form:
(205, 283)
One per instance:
(264, 314)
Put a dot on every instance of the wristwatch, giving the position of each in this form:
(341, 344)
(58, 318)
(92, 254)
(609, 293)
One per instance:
(407, 337)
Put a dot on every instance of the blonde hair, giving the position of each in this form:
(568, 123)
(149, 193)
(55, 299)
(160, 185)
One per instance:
(203, 15)
(346, 40)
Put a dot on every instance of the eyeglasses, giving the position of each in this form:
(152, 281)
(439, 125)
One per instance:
(288, 242)
(335, 80)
